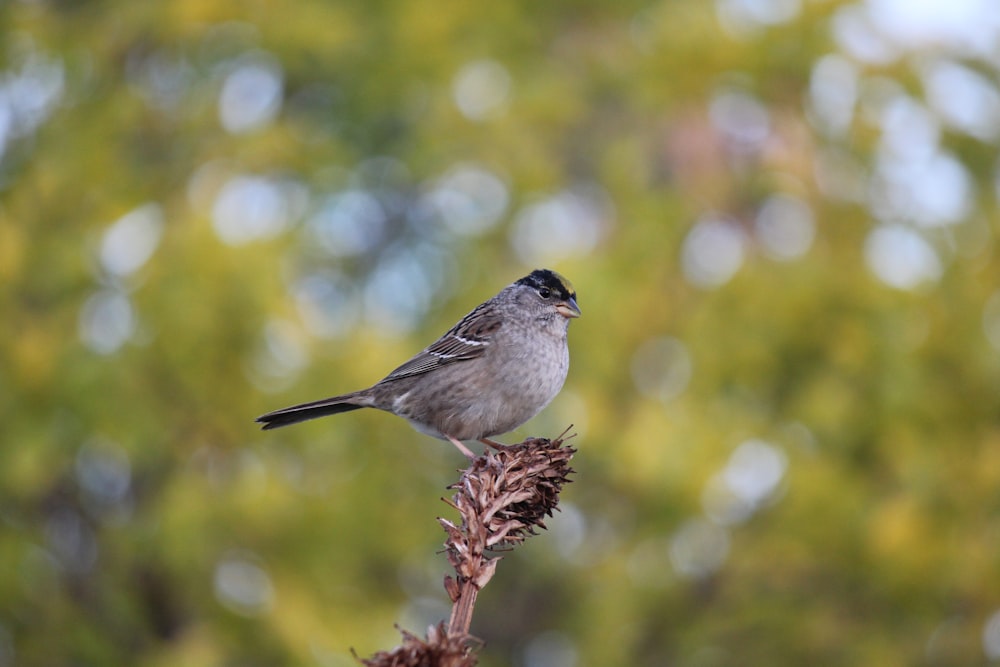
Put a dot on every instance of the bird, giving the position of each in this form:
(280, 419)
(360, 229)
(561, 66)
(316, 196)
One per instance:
(498, 367)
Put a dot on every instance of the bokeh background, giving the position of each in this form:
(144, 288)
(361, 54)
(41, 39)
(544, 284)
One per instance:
(781, 219)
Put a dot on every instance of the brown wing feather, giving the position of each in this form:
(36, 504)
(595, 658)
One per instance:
(466, 340)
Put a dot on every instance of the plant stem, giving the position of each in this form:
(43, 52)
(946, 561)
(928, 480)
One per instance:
(461, 610)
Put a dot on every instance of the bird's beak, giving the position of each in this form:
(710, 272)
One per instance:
(568, 309)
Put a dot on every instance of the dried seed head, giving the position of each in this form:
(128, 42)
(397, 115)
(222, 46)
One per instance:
(502, 497)
(438, 650)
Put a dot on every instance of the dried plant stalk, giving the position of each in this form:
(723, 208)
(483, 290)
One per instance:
(502, 497)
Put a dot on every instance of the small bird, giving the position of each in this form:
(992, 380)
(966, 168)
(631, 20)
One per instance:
(494, 370)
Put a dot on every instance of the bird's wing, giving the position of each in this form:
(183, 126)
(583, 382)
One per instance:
(466, 340)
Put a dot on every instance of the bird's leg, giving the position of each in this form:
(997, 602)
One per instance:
(499, 446)
(462, 448)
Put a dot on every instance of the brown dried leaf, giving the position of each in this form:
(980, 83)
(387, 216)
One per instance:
(486, 572)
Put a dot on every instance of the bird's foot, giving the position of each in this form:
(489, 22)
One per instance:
(499, 446)
(461, 447)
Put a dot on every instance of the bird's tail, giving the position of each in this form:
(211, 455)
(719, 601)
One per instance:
(306, 411)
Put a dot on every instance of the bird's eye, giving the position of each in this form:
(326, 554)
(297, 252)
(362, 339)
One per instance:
(545, 292)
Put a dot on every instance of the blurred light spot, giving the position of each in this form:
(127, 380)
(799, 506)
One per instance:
(877, 95)
(481, 89)
(722, 505)
(28, 95)
(242, 586)
(328, 304)
(712, 252)
(284, 347)
(160, 78)
(991, 320)
(941, 640)
(991, 636)
(741, 119)
(348, 223)
(205, 182)
(399, 291)
(754, 471)
(248, 208)
(213, 464)
(698, 548)
(251, 94)
(741, 16)
(104, 474)
(931, 192)
(749, 480)
(469, 200)
(106, 321)
(661, 368)
(569, 528)
(801, 437)
(550, 649)
(568, 224)
(6, 123)
(900, 257)
(964, 99)
(968, 26)
(785, 227)
(130, 241)
(909, 130)
(833, 93)
(279, 358)
(857, 36)
(71, 540)
(602, 540)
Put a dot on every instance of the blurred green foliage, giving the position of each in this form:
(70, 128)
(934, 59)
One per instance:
(780, 218)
